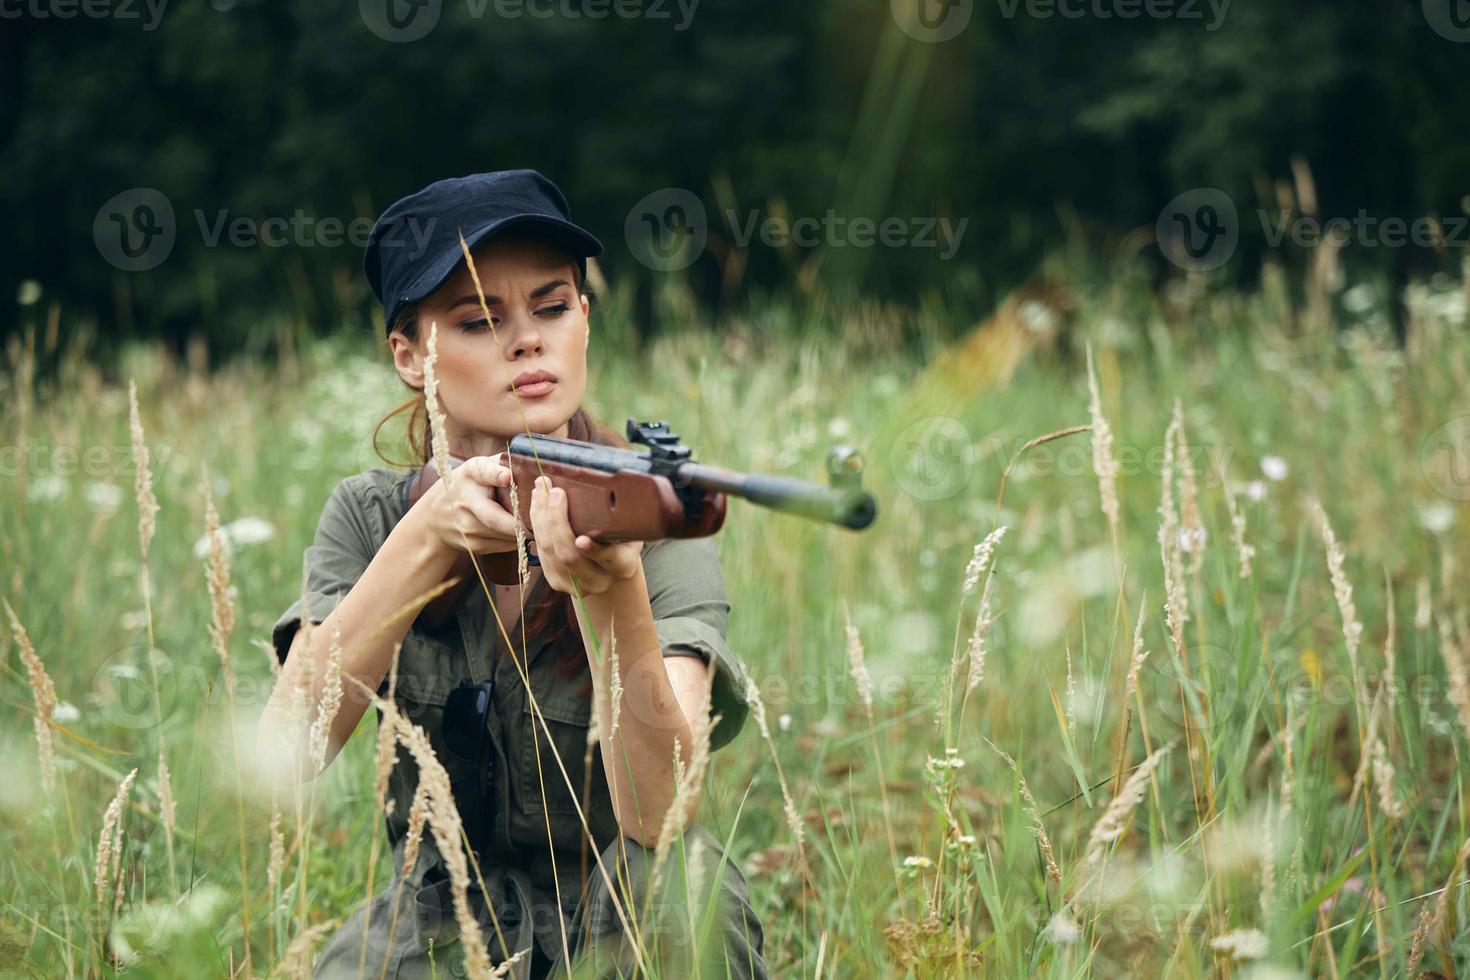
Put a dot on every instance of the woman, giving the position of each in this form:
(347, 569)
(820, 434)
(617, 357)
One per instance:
(546, 874)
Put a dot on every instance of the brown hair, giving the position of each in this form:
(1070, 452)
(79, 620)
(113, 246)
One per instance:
(554, 611)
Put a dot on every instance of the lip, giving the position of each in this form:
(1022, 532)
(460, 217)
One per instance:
(534, 384)
(536, 389)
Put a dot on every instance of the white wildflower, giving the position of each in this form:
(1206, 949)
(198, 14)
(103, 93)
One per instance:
(1242, 944)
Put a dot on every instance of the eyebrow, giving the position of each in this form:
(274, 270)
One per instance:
(536, 293)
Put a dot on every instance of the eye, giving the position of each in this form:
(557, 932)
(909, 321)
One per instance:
(551, 311)
(474, 326)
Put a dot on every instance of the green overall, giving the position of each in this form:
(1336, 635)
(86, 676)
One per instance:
(519, 809)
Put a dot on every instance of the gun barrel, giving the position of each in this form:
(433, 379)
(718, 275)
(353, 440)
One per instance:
(850, 507)
(853, 508)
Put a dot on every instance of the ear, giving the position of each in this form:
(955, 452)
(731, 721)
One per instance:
(408, 360)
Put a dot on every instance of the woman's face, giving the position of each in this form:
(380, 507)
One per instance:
(540, 324)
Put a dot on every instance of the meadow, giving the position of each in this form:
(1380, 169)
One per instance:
(1155, 663)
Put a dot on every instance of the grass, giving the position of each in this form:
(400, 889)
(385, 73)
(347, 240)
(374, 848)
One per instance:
(1042, 821)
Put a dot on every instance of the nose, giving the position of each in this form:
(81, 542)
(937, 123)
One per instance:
(525, 340)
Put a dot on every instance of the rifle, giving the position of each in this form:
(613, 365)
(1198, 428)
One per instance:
(616, 494)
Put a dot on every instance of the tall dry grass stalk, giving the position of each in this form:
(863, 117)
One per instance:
(1453, 655)
(1268, 861)
(1176, 600)
(1104, 464)
(443, 819)
(167, 810)
(110, 841)
(1191, 529)
(975, 649)
(1390, 637)
(1342, 590)
(319, 737)
(857, 663)
(614, 683)
(1038, 826)
(687, 782)
(147, 526)
(1366, 747)
(523, 562)
(1433, 924)
(1383, 779)
(793, 816)
(142, 483)
(221, 628)
(277, 861)
(978, 567)
(438, 440)
(1138, 654)
(1116, 817)
(1244, 552)
(384, 757)
(296, 963)
(43, 693)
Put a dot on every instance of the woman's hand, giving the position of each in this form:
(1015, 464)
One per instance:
(468, 517)
(564, 555)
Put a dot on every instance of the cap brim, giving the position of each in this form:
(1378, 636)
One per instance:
(575, 240)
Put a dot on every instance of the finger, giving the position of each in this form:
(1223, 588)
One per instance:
(554, 533)
(488, 471)
(487, 514)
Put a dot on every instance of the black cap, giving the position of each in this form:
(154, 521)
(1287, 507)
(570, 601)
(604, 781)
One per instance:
(414, 248)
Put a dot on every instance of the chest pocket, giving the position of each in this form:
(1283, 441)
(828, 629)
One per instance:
(566, 706)
(428, 669)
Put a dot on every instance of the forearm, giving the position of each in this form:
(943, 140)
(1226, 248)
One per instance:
(639, 757)
(404, 568)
